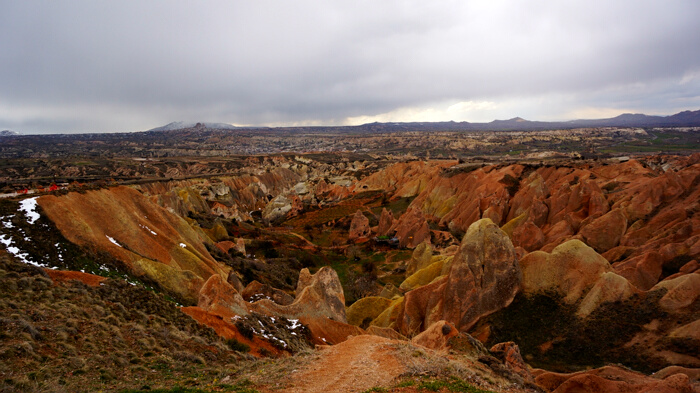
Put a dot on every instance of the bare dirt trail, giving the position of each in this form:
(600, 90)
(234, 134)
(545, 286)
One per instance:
(358, 364)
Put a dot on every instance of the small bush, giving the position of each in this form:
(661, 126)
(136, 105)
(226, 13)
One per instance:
(238, 346)
(188, 357)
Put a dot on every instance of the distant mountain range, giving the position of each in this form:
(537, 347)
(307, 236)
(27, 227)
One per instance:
(179, 125)
(681, 119)
(8, 133)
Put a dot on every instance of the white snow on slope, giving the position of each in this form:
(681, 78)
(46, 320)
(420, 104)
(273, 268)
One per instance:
(111, 239)
(28, 206)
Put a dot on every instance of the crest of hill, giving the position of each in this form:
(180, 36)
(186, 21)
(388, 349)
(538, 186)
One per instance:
(8, 133)
(179, 125)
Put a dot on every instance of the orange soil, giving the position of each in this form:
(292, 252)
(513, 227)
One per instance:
(358, 364)
(59, 276)
(228, 330)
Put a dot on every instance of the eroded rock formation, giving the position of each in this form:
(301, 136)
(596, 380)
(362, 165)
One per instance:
(484, 277)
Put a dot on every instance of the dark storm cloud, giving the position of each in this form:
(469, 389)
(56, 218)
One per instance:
(121, 66)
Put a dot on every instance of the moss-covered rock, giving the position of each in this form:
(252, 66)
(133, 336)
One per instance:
(365, 310)
(423, 276)
(388, 317)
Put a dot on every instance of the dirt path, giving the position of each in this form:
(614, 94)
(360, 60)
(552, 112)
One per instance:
(357, 364)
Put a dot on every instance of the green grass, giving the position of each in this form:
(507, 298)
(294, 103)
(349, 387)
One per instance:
(405, 384)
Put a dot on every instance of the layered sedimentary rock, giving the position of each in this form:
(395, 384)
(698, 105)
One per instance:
(643, 215)
(319, 304)
(230, 196)
(412, 228)
(151, 242)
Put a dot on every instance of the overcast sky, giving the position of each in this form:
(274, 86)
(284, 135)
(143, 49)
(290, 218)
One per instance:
(104, 66)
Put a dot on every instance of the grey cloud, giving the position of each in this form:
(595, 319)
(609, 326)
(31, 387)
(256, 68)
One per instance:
(147, 63)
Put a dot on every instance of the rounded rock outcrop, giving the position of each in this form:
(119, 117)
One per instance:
(484, 277)
(570, 270)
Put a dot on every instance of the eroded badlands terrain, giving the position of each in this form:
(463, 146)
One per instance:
(357, 272)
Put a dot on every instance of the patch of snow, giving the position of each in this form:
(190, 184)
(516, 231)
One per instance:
(22, 256)
(28, 206)
(295, 324)
(111, 239)
(148, 229)
(183, 245)
(7, 224)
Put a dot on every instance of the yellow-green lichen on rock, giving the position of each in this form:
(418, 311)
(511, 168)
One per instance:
(365, 310)
(182, 284)
(388, 317)
(420, 258)
(423, 276)
(510, 226)
(217, 232)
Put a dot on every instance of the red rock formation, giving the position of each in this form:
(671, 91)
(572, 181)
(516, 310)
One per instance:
(611, 379)
(218, 297)
(359, 226)
(632, 209)
(228, 330)
(412, 228)
(509, 353)
(643, 270)
(531, 198)
(64, 276)
(444, 337)
(484, 277)
(386, 221)
(255, 291)
(320, 304)
(405, 179)
(436, 336)
(571, 270)
(528, 236)
(605, 232)
(683, 291)
(151, 242)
